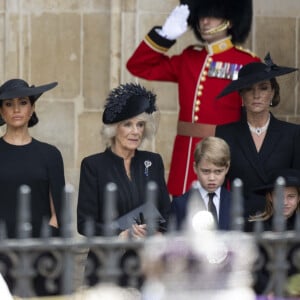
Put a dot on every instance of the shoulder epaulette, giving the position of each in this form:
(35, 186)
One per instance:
(246, 51)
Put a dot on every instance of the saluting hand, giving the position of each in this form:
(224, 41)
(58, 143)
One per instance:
(176, 23)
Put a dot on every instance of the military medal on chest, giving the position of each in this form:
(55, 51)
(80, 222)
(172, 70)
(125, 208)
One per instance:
(226, 70)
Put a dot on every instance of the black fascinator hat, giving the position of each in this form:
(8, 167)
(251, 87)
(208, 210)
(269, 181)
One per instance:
(127, 101)
(238, 12)
(16, 88)
(255, 72)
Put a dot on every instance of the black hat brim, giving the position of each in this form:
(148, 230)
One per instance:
(246, 81)
(291, 179)
(34, 91)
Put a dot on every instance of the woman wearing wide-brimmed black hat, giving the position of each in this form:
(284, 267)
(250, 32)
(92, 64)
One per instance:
(26, 161)
(259, 142)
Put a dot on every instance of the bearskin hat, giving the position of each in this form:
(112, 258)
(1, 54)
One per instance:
(238, 12)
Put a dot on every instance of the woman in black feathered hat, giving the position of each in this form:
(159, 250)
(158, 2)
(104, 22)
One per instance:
(27, 161)
(259, 142)
(201, 71)
(129, 117)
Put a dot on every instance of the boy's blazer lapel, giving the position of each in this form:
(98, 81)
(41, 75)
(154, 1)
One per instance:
(224, 210)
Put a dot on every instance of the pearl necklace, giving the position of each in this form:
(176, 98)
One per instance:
(259, 130)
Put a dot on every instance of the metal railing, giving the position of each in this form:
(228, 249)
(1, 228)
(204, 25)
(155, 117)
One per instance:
(111, 259)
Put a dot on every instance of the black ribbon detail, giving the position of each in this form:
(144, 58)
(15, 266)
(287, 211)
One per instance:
(269, 62)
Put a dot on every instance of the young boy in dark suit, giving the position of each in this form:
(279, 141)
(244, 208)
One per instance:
(211, 164)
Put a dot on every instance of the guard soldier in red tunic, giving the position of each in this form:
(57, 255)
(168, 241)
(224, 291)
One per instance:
(201, 72)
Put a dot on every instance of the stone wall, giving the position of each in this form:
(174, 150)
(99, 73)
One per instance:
(84, 45)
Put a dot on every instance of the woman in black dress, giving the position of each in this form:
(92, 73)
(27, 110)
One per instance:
(259, 142)
(27, 161)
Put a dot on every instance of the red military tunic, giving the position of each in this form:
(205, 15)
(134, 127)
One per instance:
(201, 73)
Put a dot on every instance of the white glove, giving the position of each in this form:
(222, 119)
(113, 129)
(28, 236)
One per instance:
(176, 23)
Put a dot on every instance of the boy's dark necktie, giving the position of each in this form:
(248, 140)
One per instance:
(212, 207)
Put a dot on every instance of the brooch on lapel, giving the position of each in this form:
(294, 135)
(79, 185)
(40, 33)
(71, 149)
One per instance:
(147, 164)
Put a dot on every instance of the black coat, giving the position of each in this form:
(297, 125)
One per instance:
(280, 150)
(99, 169)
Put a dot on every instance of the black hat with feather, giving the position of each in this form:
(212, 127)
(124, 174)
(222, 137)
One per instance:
(256, 72)
(127, 101)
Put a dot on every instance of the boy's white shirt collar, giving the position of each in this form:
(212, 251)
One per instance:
(216, 199)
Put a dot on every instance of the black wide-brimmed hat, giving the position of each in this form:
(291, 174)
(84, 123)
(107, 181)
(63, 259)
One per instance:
(127, 101)
(238, 12)
(256, 72)
(291, 177)
(16, 88)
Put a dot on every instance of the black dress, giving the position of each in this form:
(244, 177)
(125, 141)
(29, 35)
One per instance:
(40, 166)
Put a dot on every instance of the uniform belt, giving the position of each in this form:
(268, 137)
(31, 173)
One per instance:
(195, 129)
